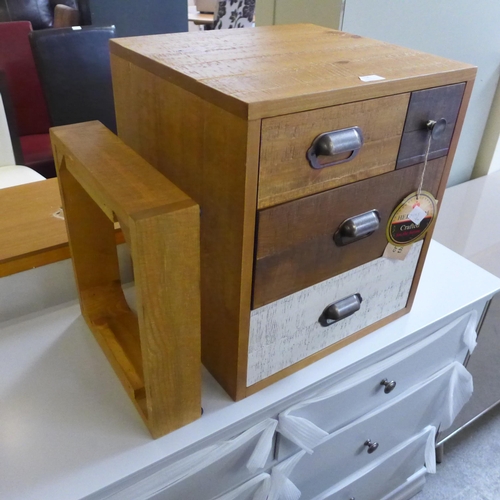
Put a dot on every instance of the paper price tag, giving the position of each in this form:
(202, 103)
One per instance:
(397, 253)
(417, 215)
(371, 78)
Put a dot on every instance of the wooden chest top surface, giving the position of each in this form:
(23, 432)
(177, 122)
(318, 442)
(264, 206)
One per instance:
(268, 71)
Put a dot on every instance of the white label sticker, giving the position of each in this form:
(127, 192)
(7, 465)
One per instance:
(76, 28)
(417, 215)
(398, 253)
(371, 78)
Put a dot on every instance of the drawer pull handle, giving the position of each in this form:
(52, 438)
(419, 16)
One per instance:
(357, 227)
(340, 309)
(371, 446)
(436, 128)
(389, 386)
(336, 143)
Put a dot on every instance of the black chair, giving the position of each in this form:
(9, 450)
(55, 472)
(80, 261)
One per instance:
(42, 13)
(75, 73)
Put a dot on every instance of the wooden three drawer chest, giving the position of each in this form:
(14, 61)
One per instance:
(297, 142)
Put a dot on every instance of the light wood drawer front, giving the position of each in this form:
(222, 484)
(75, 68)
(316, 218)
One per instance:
(344, 452)
(286, 174)
(288, 330)
(383, 477)
(295, 241)
(359, 394)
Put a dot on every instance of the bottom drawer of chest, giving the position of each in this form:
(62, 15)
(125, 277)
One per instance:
(286, 331)
(389, 472)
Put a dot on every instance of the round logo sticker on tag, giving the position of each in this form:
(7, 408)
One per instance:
(411, 219)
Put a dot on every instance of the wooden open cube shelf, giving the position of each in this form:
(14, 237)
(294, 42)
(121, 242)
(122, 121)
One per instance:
(156, 353)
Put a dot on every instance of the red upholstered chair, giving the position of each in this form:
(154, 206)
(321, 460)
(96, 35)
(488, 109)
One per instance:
(16, 61)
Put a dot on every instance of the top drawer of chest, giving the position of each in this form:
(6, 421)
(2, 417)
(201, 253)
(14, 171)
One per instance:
(314, 151)
(285, 172)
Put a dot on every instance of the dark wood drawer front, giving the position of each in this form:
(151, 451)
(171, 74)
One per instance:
(432, 104)
(295, 245)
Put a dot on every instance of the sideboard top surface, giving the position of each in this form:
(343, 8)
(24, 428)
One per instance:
(273, 70)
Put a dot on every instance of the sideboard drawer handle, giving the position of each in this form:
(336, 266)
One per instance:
(371, 446)
(357, 227)
(389, 386)
(337, 144)
(340, 310)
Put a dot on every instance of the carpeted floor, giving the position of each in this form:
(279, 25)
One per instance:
(471, 465)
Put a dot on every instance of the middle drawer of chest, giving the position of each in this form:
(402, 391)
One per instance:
(298, 243)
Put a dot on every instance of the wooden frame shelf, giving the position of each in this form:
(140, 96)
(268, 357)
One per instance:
(156, 353)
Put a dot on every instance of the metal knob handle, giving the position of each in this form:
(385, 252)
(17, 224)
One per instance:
(371, 446)
(340, 310)
(357, 227)
(337, 142)
(437, 127)
(389, 386)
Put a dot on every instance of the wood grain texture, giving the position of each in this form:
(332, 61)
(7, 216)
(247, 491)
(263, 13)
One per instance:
(213, 156)
(273, 70)
(31, 235)
(156, 354)
(295, 246)
(192, 104)
(285, 173)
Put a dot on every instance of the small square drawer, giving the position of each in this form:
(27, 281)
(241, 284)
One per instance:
(440, 105)
(331, 409)
(359, 444)
(388, 473)
(296, 162)
(302, 242)
(295, 327)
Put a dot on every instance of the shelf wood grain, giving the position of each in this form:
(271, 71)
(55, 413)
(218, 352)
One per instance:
(156, 353)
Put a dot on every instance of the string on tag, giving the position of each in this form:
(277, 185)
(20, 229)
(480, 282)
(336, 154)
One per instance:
(429, 140)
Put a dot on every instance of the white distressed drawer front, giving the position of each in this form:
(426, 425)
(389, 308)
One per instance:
(353, 397)
(340, 454)
(388, 472)
(212, 471)
(286, 331)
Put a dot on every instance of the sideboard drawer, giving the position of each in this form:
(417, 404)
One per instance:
(357, 445)
(213, 470)
(296, 246)
(286, 173)
(387, 473)
(289, 330)
(357, 395)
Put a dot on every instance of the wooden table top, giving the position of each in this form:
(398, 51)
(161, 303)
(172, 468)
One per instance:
(31, 235)
(271, 70)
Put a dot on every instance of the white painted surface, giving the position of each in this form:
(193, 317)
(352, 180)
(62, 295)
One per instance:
(15, 175)
(68, 428)
(469, 221)
(6, 151)
(457, 29)
(287, 330)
